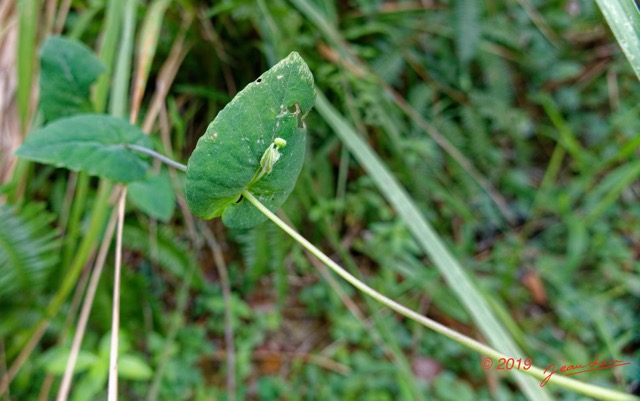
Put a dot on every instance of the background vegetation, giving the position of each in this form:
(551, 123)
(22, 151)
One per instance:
(512, 125)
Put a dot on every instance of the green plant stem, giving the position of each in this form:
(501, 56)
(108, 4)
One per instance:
(162, 158)
(455, 276)
(575, 385)
(562, 381)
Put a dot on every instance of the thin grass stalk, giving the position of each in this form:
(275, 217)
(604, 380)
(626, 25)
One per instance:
(28, 20)
(81, 325)
(147, 44)
(28, 23)
(167, 74)
(118, 107)
(347, 59)
(35, 336)
(100, 207)
(112, 394)
(107, 53)
(61, 16)
(122, 73)
(86, 246)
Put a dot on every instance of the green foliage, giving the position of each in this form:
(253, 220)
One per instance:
(231, 152)
(154, 195)
(535, 95)
(164, 248)
(183, 378)
(93, 367)
(68, 69)
(467, 20)
(28, 251)
(94, 143)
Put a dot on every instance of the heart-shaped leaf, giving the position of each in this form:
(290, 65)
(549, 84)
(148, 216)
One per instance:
(68, 68)
(228, 156)
(94, 143)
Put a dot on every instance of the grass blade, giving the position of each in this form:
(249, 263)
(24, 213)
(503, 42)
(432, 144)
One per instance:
(28, 18)
(624, 19)
(430, 242)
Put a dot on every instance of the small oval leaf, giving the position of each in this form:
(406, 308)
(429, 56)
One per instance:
(94, 143)
(229, 154)
(133, 368)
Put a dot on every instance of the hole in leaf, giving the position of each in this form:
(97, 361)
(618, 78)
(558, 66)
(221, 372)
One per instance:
(295, 109)
(259, 80)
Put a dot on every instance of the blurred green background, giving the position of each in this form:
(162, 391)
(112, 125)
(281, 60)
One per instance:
(512, 125)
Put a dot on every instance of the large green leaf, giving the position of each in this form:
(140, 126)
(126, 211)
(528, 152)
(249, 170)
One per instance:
(94, 143)
(68, 68)
(228, 154)
(28, 250)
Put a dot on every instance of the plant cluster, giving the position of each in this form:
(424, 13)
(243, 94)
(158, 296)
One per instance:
(475, 161)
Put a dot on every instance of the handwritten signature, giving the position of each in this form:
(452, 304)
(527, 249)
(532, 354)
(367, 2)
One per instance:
(570, 370)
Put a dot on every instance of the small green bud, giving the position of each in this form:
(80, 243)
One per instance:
(280, 143)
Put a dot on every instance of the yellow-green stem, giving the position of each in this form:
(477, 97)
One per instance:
(575, 385)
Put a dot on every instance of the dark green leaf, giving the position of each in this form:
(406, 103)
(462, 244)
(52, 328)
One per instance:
(94, 143)
(228, 154)
(68, 68)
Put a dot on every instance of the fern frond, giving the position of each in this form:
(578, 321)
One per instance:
(28, 250)
(467, 18)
